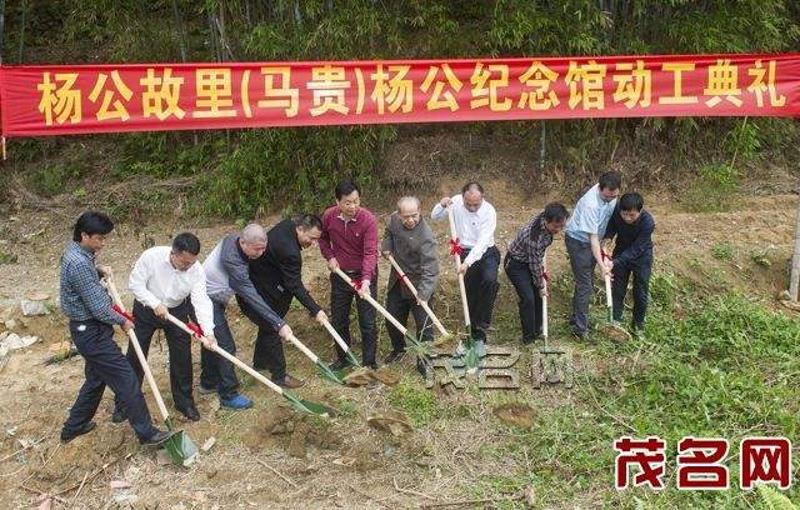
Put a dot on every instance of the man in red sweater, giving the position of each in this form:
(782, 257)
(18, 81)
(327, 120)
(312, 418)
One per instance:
(350, 242)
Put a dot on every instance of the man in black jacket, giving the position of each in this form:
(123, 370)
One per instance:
(277, 278)
(633, 253)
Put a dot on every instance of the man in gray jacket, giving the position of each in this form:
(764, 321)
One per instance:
(410, 241)
(228, 274)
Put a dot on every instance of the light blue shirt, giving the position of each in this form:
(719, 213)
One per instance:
(590, 216)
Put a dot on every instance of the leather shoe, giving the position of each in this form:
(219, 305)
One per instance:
(206, 391)
(291, 383)
(119, 416)
(66, 437)
(191, 413)
(394, 356)
(158, 438)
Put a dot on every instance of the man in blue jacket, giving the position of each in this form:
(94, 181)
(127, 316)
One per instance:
(633, 254)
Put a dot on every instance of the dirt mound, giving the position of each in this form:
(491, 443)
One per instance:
(293, 430)
(393, 422)
(518, 415)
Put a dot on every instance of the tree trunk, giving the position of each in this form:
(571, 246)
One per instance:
(794, 278)
(179, 29)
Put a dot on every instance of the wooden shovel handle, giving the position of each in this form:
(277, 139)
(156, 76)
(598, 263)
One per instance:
(139, 354)
(369, 299)
(336, 336)
(305, 350)
(461, 286)
(413, 290)
(230, 357)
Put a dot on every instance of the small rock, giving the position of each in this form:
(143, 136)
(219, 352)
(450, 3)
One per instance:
(11, 324)
(30, 307)
(125, 497)
(162, 458)
(12, 341)
(530, 497)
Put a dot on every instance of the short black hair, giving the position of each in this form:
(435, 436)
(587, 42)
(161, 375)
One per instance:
(472, 185)
(555, 212)
(186, 243)
(610, 180)
(307, 221)
(631, 201)
(92, 223)
(345, 188)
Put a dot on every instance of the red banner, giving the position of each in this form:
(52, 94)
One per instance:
(57, 100)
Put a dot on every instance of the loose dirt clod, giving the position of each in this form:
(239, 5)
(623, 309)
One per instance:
(394, 422)
(518, 415)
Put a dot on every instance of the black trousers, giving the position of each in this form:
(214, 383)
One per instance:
(106, 366)
(268, 353)
(342, 296)
(180, 350)
(481, 283)
(400, 302)
(216, 371)
(641, 270)
(530, 298)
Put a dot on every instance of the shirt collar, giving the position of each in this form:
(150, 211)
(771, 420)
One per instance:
(341, 216)
(542, 225)
(77, 248)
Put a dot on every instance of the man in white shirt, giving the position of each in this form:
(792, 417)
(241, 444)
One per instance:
(476, 221)
(170, 280)
(585, 230)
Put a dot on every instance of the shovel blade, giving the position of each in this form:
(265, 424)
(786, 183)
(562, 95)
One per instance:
(181, 449)
(352, 358)
(326, 373)
(306, 406)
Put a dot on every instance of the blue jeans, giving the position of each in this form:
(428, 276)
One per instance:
(106, 366)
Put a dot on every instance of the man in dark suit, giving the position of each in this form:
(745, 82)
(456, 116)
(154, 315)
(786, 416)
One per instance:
(277, 277)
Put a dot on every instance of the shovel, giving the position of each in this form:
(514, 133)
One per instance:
(552, 362)
(383, 311)
(322, 368)
(612, 329)
(405, 281)
(297, 403)
(179, 446)
(341, 343)
(472, 352)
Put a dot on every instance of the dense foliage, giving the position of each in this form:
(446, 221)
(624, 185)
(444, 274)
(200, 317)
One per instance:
(242, 171)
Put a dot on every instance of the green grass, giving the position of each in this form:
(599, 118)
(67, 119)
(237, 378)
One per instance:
(411, 397)
(724, 369)
(722, 251)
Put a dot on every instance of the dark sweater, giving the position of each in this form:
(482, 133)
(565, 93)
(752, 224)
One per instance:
(634, 242)
(279, 269)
